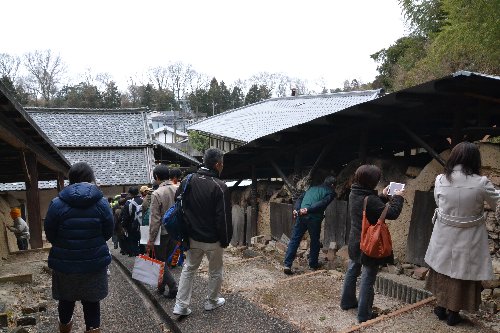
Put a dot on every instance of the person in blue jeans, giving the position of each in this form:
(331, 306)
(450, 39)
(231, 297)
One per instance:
(366, 179)
(308, 214)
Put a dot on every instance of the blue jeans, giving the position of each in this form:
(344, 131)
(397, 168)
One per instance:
(299, 229)
(366, 292)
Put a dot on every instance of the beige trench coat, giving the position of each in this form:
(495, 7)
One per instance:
(459, 242)
(161, 200)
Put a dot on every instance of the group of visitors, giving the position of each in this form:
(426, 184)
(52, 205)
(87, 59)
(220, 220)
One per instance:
(80, 221)
(458, 254)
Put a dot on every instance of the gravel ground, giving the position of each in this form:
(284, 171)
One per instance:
(237, 315)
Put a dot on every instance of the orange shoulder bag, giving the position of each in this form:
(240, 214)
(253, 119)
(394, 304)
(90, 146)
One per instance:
(375, 239)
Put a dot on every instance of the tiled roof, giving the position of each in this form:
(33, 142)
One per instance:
(179, 152)
(115, 166)
(260, 119)
(92, 127)
(21, 186)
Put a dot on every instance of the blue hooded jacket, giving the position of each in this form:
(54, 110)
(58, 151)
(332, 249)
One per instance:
(78, 223)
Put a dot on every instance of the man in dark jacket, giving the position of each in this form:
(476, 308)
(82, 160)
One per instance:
(207, 211)
(308, 214)
(132, 219)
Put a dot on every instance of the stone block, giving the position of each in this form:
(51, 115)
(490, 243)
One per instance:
(496, 293)
(29, 310)
(281, 247)
(393, 269)
(248, 253)
(343, 252)
(285, 239)
(408, 271)
(266, 239)
(420, 273)
(491, 284)
(304, 244)
(407, 266)
(490, 307)
(26, 321)
(17, 278)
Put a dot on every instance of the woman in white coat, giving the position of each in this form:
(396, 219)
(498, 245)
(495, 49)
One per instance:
(458, 254)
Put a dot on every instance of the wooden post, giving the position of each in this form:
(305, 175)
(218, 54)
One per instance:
(60, 182)
(32, 199)
(282, 175)
(422, 143)
(255, 207)
(321, 157)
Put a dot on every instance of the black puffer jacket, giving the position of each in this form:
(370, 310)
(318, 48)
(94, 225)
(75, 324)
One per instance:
(207, 208)
(374, 208)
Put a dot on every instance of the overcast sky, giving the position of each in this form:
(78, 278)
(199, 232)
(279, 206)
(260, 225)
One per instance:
(228, 39)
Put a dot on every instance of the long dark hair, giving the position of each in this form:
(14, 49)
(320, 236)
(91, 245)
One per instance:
(367, 176)
(81, 172)
(467, 154)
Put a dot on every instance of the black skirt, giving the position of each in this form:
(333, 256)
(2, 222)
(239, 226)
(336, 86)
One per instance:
(90, 287)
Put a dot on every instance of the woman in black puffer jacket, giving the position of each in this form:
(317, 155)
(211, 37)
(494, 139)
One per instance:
(79, 221)
(366, 179)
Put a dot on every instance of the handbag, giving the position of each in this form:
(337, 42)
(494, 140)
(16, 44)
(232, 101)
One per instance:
(148, 270)
(375, 239)
(173, 219)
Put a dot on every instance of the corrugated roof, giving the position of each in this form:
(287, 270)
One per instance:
(260, 119)
(92, 127)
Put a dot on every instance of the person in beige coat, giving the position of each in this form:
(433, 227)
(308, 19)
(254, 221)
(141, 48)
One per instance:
(161, 200)
(458, 254)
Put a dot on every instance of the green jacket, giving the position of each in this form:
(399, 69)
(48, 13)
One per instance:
(315, 199)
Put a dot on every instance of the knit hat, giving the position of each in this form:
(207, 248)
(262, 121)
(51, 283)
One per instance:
(15, 212)
(144, 189)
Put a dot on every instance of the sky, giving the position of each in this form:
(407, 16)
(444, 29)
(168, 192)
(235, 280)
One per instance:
(315, 40)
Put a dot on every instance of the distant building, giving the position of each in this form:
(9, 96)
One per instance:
(167, 134)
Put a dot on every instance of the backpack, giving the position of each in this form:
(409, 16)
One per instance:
(173, 219)
(137, 217)
(375, 239)
(176, 258)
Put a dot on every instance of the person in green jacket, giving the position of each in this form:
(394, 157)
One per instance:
(308, 213)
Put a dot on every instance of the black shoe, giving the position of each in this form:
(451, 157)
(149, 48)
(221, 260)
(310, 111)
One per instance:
(172, 293)
(345, 308)
(287, 270)
(453, 318)
(440, 312)
(320, 265)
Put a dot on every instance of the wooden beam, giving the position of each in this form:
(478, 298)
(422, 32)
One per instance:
(60, 182)
(32, 198)
(252, 228)
(283, 176)
(422, 143)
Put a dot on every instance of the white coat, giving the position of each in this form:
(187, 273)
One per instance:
(458, 247)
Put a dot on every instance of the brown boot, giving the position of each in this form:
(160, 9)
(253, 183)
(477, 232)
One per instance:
(65, 328)
(94, 330)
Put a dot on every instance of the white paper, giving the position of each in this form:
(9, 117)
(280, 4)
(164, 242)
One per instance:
(146, 271)
(393, 186)
(145, 236)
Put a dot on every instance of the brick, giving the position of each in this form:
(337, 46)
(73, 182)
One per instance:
(19, 278)
(254, 240)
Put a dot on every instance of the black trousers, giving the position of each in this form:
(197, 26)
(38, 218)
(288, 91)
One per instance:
(91, 313)
(22, 244)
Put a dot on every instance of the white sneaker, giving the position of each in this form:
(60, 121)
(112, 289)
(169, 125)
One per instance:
(181, 311)
(211, 305)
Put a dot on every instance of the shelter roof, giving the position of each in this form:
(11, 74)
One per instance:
(19, 132)
(173, 155)
(460, 106)
(93, 127)
(257, 120)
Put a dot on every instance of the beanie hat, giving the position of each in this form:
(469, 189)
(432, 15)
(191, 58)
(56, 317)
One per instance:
(15, 212)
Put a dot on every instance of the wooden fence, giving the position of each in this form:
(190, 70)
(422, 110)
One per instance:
(420, 227)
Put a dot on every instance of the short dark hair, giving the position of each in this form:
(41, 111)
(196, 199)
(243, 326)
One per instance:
(330, 181)
(133, 190)
(161, 171)
(81, 172)
(367, 176)
(175, 173)
(212, 157)
(468, 155)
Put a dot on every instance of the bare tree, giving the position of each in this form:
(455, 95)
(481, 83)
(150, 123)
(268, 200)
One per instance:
(180, 76)
(46, 69)
(9, 65)
(159, 76)
(198, 81)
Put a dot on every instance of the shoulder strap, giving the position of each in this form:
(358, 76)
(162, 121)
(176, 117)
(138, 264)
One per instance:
(364, 204)
(384, 212)
(188, 178)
